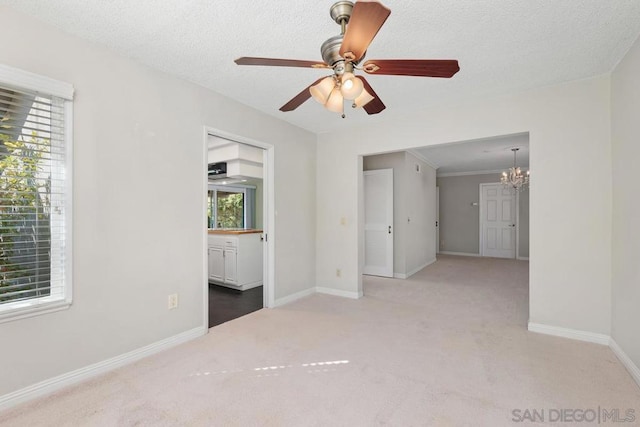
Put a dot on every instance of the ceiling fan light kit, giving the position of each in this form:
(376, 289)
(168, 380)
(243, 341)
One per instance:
(362, 100)
(335, 102)
(322, 90)
(359, 23)
(351, 87)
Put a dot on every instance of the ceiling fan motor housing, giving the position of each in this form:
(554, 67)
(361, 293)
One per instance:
(330, 50)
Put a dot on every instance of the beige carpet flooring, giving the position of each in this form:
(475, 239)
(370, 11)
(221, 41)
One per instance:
(447, 347)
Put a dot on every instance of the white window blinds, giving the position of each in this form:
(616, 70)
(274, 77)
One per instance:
(33, 200)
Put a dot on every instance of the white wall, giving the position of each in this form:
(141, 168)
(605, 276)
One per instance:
(139, 203)
(570, 270)
(625, 135)
(420, 222)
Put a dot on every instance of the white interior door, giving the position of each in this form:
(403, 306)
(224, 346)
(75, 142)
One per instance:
(498, 221)
(378, 222)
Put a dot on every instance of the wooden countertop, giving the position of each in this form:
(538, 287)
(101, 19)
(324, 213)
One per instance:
(231, 231)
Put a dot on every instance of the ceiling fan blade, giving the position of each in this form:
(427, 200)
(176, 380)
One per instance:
(375, 105)
(366, 20)
(300, 98)
(445, 68)
(273, 62)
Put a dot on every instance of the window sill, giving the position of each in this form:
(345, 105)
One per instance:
(9, 314)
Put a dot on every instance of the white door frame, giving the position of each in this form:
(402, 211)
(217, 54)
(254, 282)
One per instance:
(269, 221)
(481, 251)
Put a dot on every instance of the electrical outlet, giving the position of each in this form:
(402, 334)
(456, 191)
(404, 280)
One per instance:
(338, 272)
(172, 301)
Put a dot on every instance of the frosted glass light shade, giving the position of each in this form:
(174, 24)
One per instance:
(322, 90)
(351, 86)
(364, 98)
(335, 102)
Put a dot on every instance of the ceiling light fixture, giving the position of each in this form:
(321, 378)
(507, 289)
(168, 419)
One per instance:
(351, 86)
(364, 98)
(335, 102)
(322, 90)
(359, 23)
(334, 90)
(515, 177)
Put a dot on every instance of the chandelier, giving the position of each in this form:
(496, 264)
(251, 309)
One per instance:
(515, 177)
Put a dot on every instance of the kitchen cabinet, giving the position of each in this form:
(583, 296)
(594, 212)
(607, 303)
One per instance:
(216, 263)
(230, 266)
(235, 261)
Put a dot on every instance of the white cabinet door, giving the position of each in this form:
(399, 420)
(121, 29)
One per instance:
(216, 263)
(231, 266)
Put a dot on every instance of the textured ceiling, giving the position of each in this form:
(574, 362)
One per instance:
(503, 46)
(490, 154)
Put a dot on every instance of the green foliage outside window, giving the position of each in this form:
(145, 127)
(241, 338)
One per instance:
(24, 219)
(230, 210)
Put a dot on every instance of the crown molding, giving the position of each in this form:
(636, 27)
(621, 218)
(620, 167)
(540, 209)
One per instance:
(423, 158)
(482, 172)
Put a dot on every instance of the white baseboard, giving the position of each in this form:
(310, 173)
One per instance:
(339, 293)
(293, 297)
(458, 253)
(570, 333)
(523, 258)
(56, 383)
(244, 287)
(414, 271)
(626, 361)
(252, 285)
(425, 265)
(320, 290)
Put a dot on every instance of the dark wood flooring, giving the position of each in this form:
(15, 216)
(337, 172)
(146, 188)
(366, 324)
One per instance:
(227, 304)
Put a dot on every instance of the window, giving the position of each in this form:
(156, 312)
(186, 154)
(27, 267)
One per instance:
(35, 196)
(231, 207)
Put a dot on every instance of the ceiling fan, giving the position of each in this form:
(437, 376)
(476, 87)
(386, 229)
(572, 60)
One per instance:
(359, 22)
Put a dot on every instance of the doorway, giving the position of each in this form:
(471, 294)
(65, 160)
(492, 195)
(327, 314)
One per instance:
(238, 212)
